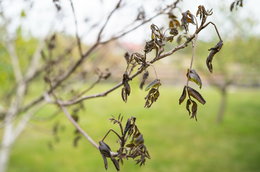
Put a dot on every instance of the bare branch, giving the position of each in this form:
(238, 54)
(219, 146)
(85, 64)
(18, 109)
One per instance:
(76, 125)
(194, 41)
(76, 29)
(215, 29)
(107, 20)
(169, 7)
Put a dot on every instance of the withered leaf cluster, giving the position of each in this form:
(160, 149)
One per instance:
(153, 93)
(139, 58)
(203, 13)
(156, 42)
(187, 18)
(192, 94)
(131, 144)
(193, 76)
(174, 24)
(158, 39)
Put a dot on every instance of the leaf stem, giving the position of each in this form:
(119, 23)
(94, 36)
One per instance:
(194, 41)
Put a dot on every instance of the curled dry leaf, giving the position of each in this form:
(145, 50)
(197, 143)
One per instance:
(152, 96)
(183, 95)
(195, 94)
(174, 23)
(171, 16)
(193, 76)
(105, 152)
(127, 57)
(174, 32)
(187, 18)
(149, 46)
(126, 90)
(202, 12)
(156, 33)
(194, 110)
(139, 58)
(188, 103)
(213, 51)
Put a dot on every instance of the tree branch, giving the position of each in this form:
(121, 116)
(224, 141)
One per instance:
(107, 20)
(76, 125)
(86, 55)
(169, 7)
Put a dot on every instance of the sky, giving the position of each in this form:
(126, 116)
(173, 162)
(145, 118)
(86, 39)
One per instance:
(44, 18)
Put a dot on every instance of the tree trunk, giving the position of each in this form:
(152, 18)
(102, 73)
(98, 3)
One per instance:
(5, 148)
(222, 105)
(4, 158)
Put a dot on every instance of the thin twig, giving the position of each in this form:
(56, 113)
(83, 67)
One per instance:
(111, 130)
(107, 20)
(169, 7)
(90, 87)
(76, 29)
(194, 41)
(215, 29)
(76, 125)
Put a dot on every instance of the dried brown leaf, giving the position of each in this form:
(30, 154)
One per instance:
(183, 95)
(195, 94)
(194, 77)
(213, 51)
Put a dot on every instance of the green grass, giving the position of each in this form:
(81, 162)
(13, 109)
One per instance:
(175, 142)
